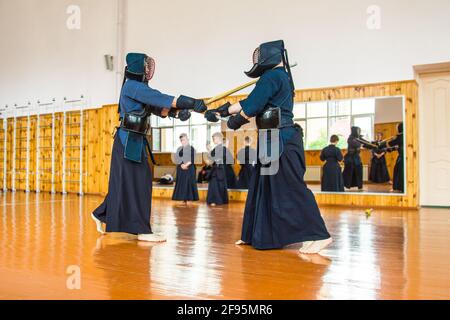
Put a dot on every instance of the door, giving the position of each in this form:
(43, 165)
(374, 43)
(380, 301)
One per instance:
(434, 120)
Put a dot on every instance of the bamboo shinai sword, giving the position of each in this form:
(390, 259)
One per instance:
(237, 89)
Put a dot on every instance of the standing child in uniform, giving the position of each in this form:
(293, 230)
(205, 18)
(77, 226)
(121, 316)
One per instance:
(186, 184)
(217, 185)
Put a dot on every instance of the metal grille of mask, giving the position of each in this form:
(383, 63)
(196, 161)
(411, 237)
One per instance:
(150, 66)
(256, 56)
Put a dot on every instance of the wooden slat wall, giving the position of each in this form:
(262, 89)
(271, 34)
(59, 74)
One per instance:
(2, 154)
(44, 156)
(100, 124)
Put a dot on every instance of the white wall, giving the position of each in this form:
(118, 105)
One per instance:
(41, 58)
(388, 110)
(202, 47)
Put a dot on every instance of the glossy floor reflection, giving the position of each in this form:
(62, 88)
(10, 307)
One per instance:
(392, 255)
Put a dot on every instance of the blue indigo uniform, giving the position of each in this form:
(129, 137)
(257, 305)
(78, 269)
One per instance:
(273, 89)
(332, 179)
(127, 206)
(186, 184)
(280, 210)
(133, 97)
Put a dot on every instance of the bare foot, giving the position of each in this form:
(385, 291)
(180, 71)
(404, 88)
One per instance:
(98, 224)
(305, 245)
(317, 246)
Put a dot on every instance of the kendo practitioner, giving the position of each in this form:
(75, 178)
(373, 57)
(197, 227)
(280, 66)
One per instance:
(399, 173)
(247, 157)
(353, 167)
(378, 167)
(217, 185)
(127, 206)
(332, 179)
(280, 209)
(186, 184)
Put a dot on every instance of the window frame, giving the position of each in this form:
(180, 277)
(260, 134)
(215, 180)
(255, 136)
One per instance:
(187, 124)
(329, 117)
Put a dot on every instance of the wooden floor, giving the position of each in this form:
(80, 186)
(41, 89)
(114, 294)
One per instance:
(391, 255)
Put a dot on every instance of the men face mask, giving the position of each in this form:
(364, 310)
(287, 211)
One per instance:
(149, 68)
(267, 56)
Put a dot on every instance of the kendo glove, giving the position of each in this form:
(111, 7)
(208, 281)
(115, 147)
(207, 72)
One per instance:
(184, 102)
(173, 113)
(182, 115)
(210, 115)
(236, 122)
(223, 110)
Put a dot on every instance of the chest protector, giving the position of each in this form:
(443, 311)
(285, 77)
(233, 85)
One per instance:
(269, 119)
(136, 122)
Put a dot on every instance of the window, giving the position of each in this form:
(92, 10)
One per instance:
(166, 132)
(321, 120)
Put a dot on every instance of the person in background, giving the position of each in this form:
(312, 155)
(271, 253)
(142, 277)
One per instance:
(186, 185)
(217, 186)
(332, 179)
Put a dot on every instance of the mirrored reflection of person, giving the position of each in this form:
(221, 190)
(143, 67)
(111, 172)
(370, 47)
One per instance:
(186, 184)
(353, 167)
(378, 167)
(332, 179)
(397, 142)
(217, 185)
(247, 157)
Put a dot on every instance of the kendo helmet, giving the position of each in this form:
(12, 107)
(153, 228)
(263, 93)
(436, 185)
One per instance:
(140, 67)
(267, 56)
